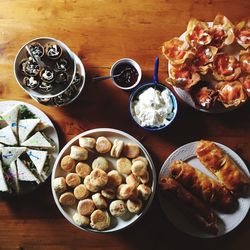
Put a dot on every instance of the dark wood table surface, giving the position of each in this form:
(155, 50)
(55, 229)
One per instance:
(100, 32)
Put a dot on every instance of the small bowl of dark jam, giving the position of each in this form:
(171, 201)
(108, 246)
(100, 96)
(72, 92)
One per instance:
(126, 73)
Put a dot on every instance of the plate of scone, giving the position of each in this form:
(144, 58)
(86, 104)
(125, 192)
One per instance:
(28, 147)
(103, 180)
(204, 189)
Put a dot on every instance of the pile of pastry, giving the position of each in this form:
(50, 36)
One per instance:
(203, 56)
(100, 189)
(25, 150)
(197, 194)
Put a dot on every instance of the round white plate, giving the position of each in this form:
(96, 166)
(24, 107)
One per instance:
(116, 223)
(234, 50)
(229, 221)
(50, 132)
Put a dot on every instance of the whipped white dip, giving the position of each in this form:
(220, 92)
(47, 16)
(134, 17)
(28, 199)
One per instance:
(153, 108)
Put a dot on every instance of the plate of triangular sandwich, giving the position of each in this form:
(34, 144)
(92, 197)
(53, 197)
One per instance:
(28, 147)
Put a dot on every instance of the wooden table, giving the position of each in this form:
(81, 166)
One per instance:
(100, 32)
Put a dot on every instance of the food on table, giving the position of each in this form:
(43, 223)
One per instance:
(25, 152)
(101, 163)
(62, 64)
(31, 82)
(245, 61)
(117, 148)
(87, 142)
(53, 50)
(78, 153)
(59, 184)
(204, 96)
(205, 54)
(61, 77)
(117, 208)
(103, 187)
(206, 188)
(30, 67)
(223, 167)
(36, 49)
(246, 84)
(99, 220)
(47, 75)
(242, 33)
(231, 93)
(190, 205)
(226, 68)
(67, 163)
(123, 165)
(67, 199)
(103, 145)
(128, 75)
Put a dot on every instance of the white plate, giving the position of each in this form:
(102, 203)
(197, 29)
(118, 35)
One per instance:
(234, 50)
(50, 132)
(229, 220)
(116, 223)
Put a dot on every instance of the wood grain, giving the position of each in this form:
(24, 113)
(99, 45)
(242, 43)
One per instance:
(100, 32)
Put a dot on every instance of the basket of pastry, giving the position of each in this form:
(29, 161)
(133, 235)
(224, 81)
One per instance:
(103, 180)
(209, 185)
(209, 64)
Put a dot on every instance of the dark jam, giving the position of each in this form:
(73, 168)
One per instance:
(128, 77)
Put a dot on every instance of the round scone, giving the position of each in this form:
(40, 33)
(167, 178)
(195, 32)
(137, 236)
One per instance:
(99, 201)
(78, 153)
(123, 165)
(85, 207)
(98, 178)
(80, 220)
(124, 191)
(99, 220)
(73, 179)
(117, 148)
(67, 163)
(139, 168)
(114, 178)
(108, 193)
(59, 184)
(131, 150)
(101, 163)
(83, 169)
(81, 192)
(87, 142)
(141, 158)
(67, 199)
(103, 145)
(134, 206)
(92, 188)
(132, 180)
(144, 191)
(117, 208)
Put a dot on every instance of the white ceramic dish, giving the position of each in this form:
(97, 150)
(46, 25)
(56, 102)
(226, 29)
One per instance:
(116, 223)
(50, 133)
(234, 50)
(81, 71)
(229, 221)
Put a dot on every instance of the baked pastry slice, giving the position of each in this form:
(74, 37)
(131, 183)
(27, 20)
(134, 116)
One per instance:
(198, 212)
(207, 189)
(221, 165)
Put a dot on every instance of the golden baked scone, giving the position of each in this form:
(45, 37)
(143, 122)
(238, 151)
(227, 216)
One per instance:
(124, 191)
(98, 177)
(206, 188)
(123, 165)
(139, 168)
(134, 206)
(99, 220)
(99, 201)
(80, 220)
(59, 184)
(81, 192)
(108, 193)
(101, 163)
(131, 150)
(67, 199)
(85, 207)
(78, 153)
(73, 179)
(133, 180)
(114, 178)
(117, 148)
(144, 178)
(92, 188)
(221, 165)
(87, 142)
(117, 208)
(67, 163)
(190, 205)
(141, 158)
(83, 169)
(103, 145)
(144, 191)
